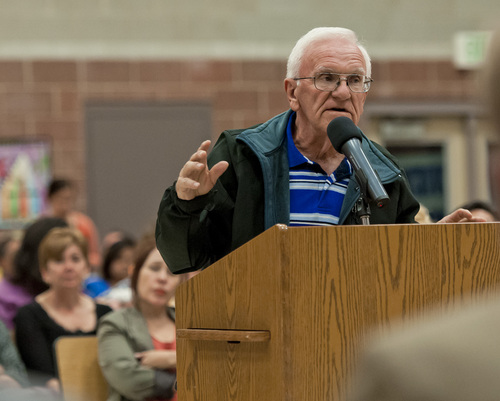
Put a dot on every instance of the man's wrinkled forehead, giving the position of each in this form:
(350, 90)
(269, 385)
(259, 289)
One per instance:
(324, 53)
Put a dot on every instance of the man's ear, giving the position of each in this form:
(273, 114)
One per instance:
(290, 89)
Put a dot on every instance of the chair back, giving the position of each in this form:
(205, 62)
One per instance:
(79, 371)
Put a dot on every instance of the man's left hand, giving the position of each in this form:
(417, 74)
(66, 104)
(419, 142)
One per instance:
(461, 216)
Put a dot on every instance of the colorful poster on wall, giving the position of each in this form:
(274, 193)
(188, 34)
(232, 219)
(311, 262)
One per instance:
(24, 176)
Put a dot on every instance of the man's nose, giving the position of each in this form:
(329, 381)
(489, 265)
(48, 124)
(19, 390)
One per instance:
(342, 90)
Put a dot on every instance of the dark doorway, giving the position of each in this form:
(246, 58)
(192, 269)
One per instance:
(134, 152)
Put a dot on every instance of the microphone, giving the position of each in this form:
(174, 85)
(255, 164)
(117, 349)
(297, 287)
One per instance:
(346, 138)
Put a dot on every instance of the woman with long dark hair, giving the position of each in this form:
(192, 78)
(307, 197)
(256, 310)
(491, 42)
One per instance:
(137, 344)
(20, 286)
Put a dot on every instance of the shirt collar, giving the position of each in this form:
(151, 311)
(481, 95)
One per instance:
(344, 170)
(295, 158)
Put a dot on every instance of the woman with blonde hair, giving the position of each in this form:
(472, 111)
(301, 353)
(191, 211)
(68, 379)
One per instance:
(62, 310)
(137, 344)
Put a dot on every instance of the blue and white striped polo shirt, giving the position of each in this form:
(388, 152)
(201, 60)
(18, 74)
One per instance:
(315, 197)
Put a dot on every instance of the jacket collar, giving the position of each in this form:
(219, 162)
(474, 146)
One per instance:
(274, 137)
(268, 142)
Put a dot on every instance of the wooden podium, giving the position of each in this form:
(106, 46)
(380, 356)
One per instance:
(283, 317)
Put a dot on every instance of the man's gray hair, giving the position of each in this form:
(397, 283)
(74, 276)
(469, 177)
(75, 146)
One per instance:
(317, 34)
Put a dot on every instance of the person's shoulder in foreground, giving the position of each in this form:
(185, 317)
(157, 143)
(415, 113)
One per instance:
(454, 357)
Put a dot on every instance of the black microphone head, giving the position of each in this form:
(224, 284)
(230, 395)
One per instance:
(340, 130)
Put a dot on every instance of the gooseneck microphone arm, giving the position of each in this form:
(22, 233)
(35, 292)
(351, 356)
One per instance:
(362, 206)
(346, 138)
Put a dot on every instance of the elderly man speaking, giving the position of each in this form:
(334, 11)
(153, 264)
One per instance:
(285, 170)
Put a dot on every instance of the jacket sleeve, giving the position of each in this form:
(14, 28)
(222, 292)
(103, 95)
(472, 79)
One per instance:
(405, 204)
(122, 370)
(9, 358)
(191, 235)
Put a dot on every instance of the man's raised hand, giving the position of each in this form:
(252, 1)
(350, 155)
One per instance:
(195, 178)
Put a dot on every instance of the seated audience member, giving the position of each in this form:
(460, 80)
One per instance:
(61, 196)
(20, 286)
(137, 344)
(482, 209)
(118, 263)
(62, 310)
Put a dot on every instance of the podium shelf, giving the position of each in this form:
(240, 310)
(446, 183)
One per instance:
(254, 336)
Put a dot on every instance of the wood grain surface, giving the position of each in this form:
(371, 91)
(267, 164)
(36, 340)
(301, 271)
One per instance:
(319, 292)
(235, 336)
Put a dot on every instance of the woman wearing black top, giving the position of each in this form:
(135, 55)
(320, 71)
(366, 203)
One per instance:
(62, 310)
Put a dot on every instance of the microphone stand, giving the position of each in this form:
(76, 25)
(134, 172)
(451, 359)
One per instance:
(362, 207)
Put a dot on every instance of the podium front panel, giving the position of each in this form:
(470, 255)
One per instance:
(319, 292)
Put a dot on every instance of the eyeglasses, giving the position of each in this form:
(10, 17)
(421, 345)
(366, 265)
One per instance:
(330, 81)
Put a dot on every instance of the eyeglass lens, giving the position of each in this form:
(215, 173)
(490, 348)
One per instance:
(329, 82)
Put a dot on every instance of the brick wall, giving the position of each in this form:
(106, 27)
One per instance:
(47, 98)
